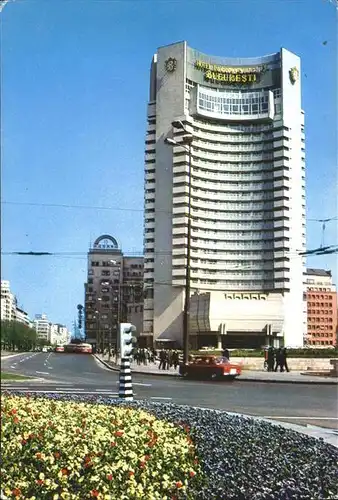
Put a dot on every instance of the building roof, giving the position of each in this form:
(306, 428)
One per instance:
(318, 272)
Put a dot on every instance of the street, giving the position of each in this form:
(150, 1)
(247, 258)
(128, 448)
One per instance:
(83, 374)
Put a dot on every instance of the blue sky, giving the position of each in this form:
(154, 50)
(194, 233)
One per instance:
(74, 93)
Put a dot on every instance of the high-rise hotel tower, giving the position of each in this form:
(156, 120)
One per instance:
(247, 198)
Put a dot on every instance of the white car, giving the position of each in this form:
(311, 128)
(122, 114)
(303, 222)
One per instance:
(44, 349)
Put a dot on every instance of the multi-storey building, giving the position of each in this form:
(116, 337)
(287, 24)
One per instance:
(22, 317)
(8, 303)
(246, 169)
(42, 326)
(113, 290)
(321, 298)
(10, 310)
(59, 334)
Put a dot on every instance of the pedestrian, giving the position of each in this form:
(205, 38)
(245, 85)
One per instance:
(278, 362)
(226, 353)
(175, 359)
(271, 358)
(284, 363)
(162, 362)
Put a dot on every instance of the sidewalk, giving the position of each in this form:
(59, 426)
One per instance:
(246, 376)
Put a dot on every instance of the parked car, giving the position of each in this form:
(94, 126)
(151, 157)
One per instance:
(210, 367)
(59, 348)
(44, 349)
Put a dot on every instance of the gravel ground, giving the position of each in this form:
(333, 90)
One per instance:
(244, 458)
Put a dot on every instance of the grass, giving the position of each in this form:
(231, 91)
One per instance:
(12, 376)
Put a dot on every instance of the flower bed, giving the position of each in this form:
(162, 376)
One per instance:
(54, 449)
(240, 458)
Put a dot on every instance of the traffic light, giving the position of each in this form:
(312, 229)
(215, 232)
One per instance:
(127, 339)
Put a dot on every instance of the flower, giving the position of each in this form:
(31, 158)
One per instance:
(110, 477)
(131, 473)
(64, 471)
(94, 493)
(16, 492)
(119, 433)
(179, 484)
(192, 473)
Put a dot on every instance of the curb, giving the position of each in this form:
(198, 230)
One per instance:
(117, 369)
(240, 378)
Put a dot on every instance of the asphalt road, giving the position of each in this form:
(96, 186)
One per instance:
(83, 374)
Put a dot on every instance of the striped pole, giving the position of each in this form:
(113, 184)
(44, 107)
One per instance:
(125, 382)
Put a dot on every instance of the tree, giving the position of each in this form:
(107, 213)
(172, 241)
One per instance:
(17, 336)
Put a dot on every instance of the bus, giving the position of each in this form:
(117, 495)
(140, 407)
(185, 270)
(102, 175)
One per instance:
(78, 348)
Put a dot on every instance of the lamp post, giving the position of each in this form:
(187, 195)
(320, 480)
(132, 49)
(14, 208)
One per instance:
(185, 143)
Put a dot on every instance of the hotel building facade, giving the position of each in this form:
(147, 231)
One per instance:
(247, 199)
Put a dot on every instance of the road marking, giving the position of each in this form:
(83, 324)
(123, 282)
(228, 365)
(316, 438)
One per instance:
(42, 373)
(138, 383)
(70, 391)
(159, 397)
(14, 386)
(299, 418)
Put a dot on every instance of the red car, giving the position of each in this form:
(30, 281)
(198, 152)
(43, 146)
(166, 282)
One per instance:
(59, 348)
(211, 367)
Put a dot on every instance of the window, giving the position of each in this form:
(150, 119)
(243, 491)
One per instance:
(105, 273)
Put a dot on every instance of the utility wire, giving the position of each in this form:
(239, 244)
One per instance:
(121, 209)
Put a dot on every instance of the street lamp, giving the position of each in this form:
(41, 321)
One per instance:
(185, 143)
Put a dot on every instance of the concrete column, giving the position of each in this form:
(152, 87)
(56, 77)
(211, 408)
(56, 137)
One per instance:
(219, 342)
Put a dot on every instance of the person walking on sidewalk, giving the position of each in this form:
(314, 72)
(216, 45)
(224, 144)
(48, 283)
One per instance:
(162, 363)
(175, 359)
(279, 359)
(271, 358)
(284, 363)
(226, 353)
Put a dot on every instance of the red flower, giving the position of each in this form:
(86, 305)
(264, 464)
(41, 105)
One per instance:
(110, 477)
(179, 484)
(113, 443)
(14, 411)
(38, 456)
(142, 465)
(16, 492)
(64, 472)
(119, 433)
(39, 481)
(147, 457)
(31, 436)
(196, 461)
(24, 441)
(15, 420)
(94, 493)
(131, 473)
(192, 473)
(56, 454)
(87, 465)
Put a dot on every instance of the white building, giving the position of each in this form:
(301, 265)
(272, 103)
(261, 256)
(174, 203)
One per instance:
(22, 317)
(8, 303)
(247, 198)
(42, 326)
(59, 334)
